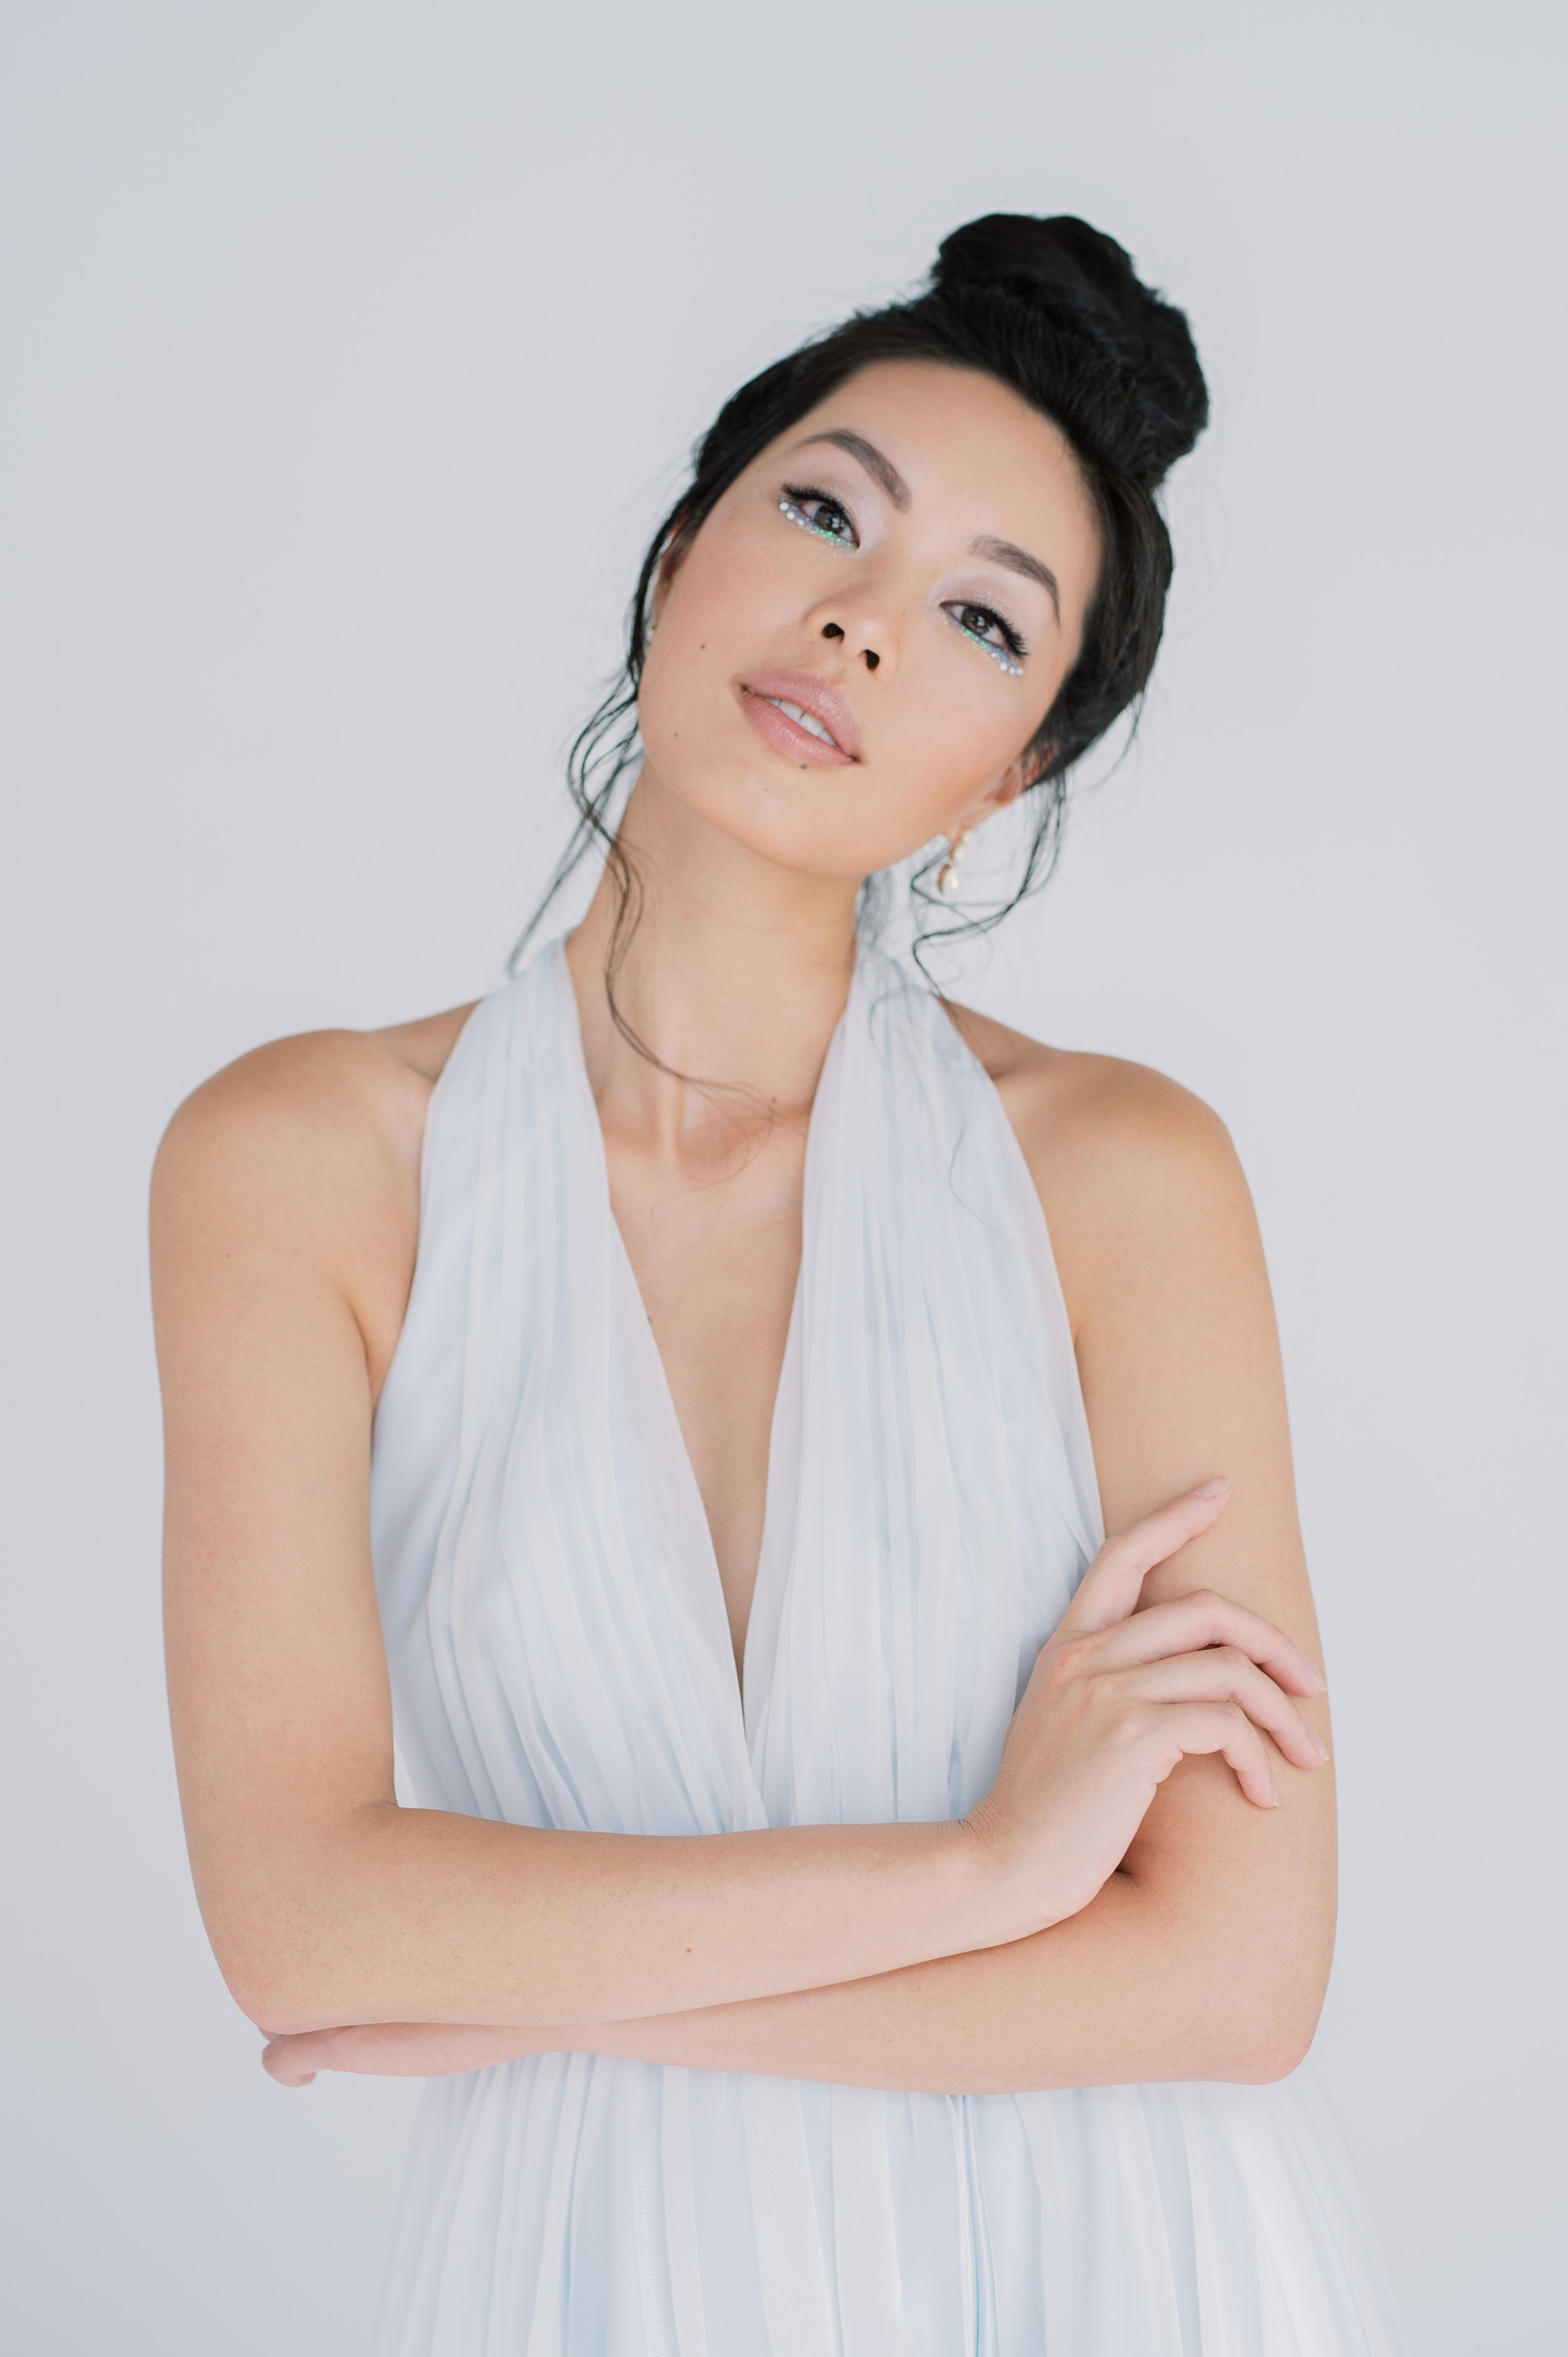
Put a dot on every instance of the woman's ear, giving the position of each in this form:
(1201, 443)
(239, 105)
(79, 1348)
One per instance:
(1016, 781)
(1030, 768)
(670, 561)
(668, 568)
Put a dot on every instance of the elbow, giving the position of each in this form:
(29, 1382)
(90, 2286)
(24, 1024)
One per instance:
(1262, 2004)
(286, 1924)
(1274, 2054)
(280, 2014)
(278, 1965)
(280, 2000)
(1262, 2042)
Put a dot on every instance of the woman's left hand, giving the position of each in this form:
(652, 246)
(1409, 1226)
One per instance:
(400, 2050)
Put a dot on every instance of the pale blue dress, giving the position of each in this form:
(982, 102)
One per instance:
(560, 1656)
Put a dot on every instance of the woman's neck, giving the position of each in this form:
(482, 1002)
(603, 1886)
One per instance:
(735, 975)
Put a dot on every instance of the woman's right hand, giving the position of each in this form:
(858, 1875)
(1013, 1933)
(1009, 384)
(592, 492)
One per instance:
(1117, 1697)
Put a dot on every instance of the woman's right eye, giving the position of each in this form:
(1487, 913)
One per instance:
(819, 513)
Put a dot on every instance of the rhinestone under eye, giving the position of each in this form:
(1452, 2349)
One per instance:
(788, 507)
(999, 655)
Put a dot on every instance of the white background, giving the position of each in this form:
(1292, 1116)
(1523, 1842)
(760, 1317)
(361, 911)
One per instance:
(351, 351)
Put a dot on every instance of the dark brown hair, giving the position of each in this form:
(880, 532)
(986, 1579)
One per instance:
(1055, 309)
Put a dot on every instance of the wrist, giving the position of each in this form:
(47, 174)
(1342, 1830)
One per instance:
(997, 1905)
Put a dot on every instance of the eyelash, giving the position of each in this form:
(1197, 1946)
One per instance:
(1008, 657)
(793, 505)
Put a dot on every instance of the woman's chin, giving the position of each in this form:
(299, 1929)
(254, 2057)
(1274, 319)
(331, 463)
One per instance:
(796, 828)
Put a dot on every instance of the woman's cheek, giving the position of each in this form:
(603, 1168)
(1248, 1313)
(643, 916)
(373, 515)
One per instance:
(948, 747)
(732, 588)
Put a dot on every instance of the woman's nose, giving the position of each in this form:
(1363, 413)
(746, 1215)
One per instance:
(868, 654)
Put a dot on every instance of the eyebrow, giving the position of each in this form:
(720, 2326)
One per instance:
(886, 475)
(882, 471)
(1018, 560)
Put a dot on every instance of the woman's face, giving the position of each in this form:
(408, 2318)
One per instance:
(908, 568)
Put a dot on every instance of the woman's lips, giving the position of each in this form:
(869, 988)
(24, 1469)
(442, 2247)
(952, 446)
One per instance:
(763, 694)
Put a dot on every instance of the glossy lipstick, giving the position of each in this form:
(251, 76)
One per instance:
(761, 695)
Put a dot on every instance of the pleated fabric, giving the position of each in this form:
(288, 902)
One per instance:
(560, 1656)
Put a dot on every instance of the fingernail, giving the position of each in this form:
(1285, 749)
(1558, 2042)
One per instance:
(1318, 1673)
(1274, 1794)
(1318, 1745)
(1212, 1488)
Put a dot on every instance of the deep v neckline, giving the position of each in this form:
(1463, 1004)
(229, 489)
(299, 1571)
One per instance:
(784, 1416)
(559, 1659)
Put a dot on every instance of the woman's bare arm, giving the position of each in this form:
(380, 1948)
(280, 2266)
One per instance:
(283, 1226)
(284, 1222)
(1182, 1977)
(1167, 1287)
(1207, 1953)
(1111, 1997)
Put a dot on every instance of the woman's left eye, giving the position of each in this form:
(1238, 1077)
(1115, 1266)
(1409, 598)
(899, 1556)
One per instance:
(819, 513)
(999, 639)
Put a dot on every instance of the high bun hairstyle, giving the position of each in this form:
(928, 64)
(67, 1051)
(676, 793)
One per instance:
(1055, 309)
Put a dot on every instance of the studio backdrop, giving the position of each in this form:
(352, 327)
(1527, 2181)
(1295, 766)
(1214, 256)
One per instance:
(352, 352)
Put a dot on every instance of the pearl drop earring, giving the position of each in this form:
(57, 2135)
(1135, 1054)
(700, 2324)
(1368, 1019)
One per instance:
(947, 877)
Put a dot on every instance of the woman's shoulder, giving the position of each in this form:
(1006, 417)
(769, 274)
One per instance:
(1123, 1157)
(1071, 1106)
(300, 1160)
(319, 1095)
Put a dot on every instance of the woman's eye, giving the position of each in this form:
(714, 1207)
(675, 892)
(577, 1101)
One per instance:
(999, 639)
(818, 512)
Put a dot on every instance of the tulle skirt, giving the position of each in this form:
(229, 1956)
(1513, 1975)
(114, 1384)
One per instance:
(575, 2206)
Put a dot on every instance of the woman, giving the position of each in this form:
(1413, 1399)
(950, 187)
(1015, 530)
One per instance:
(848, 1908)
